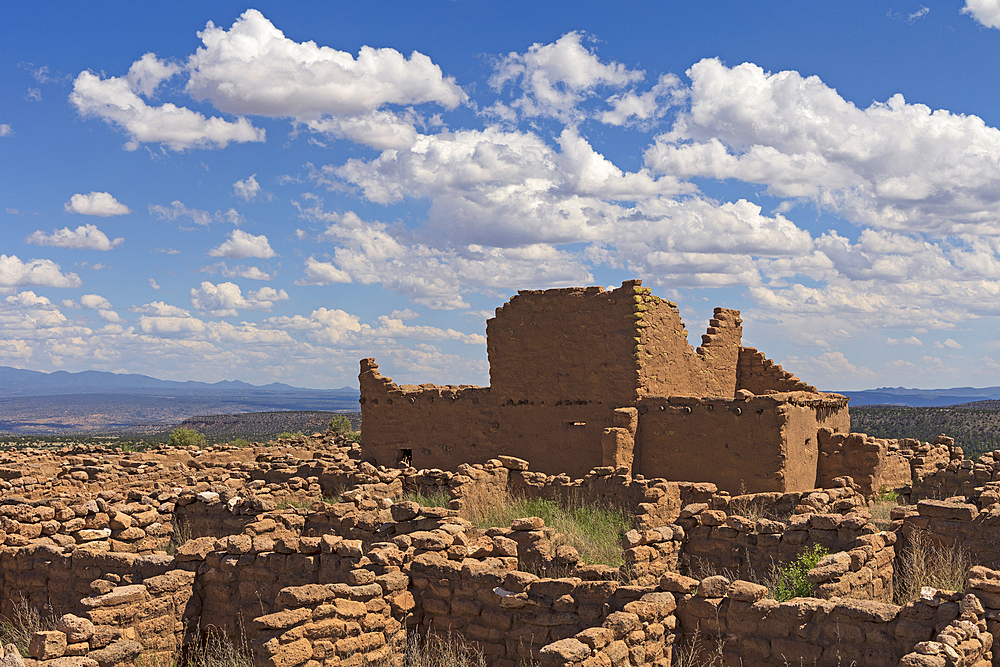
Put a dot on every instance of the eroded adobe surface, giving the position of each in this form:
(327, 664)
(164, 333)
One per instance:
(584, 377)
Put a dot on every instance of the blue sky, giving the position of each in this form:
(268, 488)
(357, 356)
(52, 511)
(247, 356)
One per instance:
(268, 193)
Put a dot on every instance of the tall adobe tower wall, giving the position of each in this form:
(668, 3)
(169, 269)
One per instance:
(548, 346)
(610, 347)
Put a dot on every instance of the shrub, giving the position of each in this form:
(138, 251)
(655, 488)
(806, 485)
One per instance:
(341, 424)
(789, 581)
(290, 434)
(184, 437)
(240, 442)
(884, 495)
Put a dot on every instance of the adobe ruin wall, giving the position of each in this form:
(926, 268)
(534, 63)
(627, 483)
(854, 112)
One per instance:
(582, 378)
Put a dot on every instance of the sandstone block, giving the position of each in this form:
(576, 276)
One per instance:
(282, 620)
(75, 628)
(10, 657)
(73, 661)
(527, 523)
(713, 587)
(196, 549)
(674, 582)
(122, 595)
(47, 645)
(563, 651)
(513, 463)
(404, 511)
(744, 591)
(947, 509)
(552, 588)
(621, 623)
(300, 596)
(291, 655)
(122, 651)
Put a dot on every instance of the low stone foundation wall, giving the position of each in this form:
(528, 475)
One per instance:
(956, 525)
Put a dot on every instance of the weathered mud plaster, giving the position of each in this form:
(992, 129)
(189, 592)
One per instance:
(584, 377)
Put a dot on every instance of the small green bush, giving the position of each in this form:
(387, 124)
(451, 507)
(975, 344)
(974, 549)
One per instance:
(885, 495)
(240, 442)
(290, 434)
(341, 424)
(789, 580)
(184, 437)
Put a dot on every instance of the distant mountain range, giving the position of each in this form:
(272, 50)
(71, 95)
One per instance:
(100, 402)
(918, 398)
(19, 382)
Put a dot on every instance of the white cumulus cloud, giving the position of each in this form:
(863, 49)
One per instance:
(96, 203)
(161, 318)
(116, 101)
(556, 77)
(252, 68)
(911, 341)
(247, 189)
(249, 272)
(893, 165)
(6, 130)
(39, 272)
(84, 237)
(986, 12)
(225, 299)
(242, 245)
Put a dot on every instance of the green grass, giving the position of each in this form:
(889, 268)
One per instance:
(290, 434)
(593, 529)
(436, 499)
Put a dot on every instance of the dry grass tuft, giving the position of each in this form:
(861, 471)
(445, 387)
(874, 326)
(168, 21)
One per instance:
(216, 649)
(441, 651)
(23, 623)
(925, 562)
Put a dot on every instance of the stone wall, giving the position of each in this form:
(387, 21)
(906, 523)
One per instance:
(336, 582)
(334, 624)
(738, 622)
(954, 525)
(716, 541)
(550, 346)
(945, 472)
(873, 463)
